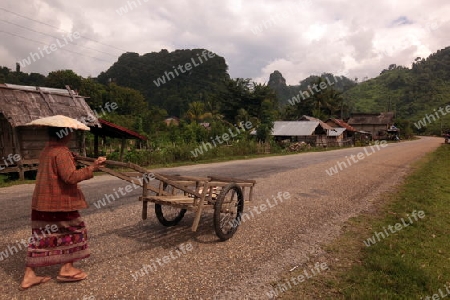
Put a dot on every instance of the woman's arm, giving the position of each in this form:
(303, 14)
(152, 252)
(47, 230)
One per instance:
(68, 172)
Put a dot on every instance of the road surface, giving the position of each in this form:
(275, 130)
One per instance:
(325, 189)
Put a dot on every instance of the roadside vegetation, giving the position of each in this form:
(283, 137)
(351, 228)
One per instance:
(12, 179)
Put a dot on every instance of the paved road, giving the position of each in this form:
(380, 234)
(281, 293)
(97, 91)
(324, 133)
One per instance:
(187, 265)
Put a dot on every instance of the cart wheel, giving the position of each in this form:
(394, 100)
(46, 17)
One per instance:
(228, 210)
(168, 215)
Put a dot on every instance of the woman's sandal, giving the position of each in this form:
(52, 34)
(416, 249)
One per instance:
(71, 278)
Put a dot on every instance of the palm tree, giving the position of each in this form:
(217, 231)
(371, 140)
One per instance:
(325, 103)
(196, 112)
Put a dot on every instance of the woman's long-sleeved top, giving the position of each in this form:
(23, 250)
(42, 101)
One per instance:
(57, 181)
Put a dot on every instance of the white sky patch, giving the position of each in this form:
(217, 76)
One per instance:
(287, 68)
(235, 5)
(315, 32)
(349, 62)
(391, 42)
(385, 43)
(65, 24)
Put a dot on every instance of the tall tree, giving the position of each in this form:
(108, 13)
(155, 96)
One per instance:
(267, 119)
(196, 112)
(59, 79)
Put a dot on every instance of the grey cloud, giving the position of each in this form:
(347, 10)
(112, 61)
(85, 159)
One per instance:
(353, 29)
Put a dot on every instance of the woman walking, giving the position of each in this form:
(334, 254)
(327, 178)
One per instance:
(55, 204)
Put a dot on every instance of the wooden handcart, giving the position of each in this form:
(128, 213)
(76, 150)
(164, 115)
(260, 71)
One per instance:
(174, 195)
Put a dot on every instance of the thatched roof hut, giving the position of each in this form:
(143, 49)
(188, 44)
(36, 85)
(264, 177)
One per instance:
(22, 104)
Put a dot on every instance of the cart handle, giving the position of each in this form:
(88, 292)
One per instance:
(113, 163)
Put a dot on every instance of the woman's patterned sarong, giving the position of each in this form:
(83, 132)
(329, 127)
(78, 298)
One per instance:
(57, 238)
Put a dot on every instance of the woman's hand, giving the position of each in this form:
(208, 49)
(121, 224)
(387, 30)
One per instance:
(99, 163)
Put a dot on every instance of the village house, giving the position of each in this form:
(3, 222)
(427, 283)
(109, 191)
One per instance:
(343, 133)
(21, 145)
(376, 124)
(308, 129)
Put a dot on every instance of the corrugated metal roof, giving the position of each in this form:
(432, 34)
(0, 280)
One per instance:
(337, 131)
(116, 131)
(341, 123)
(34, 88)
(294, 128)
(324, 125)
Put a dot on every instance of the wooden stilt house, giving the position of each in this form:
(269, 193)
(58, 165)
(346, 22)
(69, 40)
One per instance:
(20, 145)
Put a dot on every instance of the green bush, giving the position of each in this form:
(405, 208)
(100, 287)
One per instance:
(3, 179)
(169, 152)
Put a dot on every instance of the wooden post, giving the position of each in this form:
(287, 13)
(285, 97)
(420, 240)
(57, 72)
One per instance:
(96, 145)
(17, 150)
(250, 194)
(144, 199)
(122, 148)
(83, 144)
(199, 211)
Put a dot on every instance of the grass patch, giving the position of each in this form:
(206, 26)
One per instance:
(11, 179)
(411, 263)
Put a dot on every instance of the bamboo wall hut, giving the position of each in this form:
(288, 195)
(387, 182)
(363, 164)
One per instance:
(376, 124)
(342, 132)
(22, 104)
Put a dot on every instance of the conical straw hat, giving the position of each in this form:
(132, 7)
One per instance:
(59, 121)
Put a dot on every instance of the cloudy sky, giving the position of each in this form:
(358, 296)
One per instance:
(354, 38)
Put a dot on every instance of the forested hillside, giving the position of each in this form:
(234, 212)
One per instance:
(285, 92)
(317, 96)
(194, 85)
(171, 80)
(412, 92)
